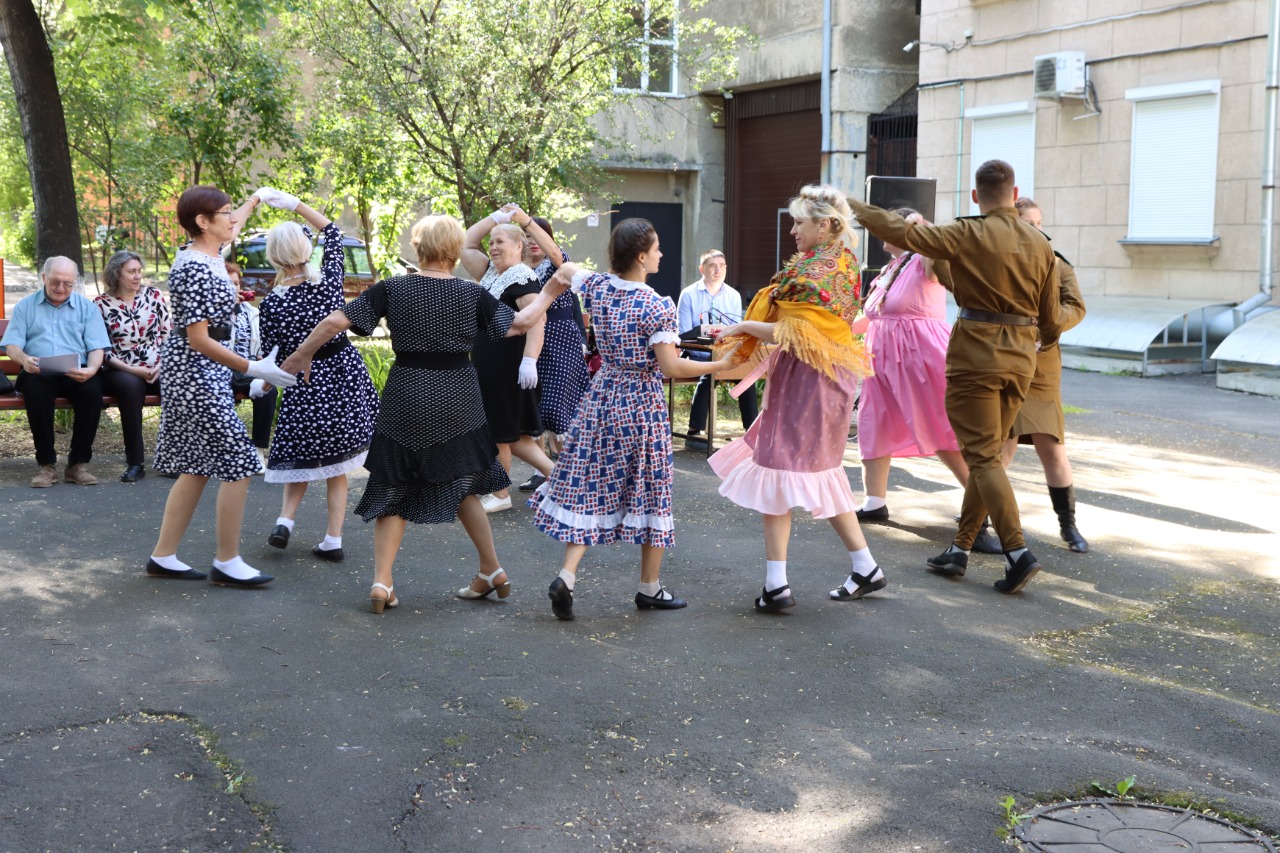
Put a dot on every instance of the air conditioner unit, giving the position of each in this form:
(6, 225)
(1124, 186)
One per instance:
(1059, 75)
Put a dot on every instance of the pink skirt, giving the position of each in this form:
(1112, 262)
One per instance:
(793, 455)
(903, 410)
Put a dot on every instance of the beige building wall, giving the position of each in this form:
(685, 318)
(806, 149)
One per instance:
(1082, 162)
(674, 147)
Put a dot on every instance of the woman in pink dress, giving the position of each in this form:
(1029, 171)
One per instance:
(903, 412)
(792, 456)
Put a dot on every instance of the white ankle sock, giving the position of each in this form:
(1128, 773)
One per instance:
(775, 574)
(568, 577)
(236, 568)
(957, 549)
(864, 565)
(872, 502)
(653, 589)
(171, 562)
(287, 522)
(1015, 555)
(330, 543)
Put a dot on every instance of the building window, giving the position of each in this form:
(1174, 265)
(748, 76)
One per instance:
(1173, 171)
(1005, 132)
(651, 67)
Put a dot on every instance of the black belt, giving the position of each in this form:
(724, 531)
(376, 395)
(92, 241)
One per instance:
(332, 348)
(433, 360)
(217, 333)
(993, 317)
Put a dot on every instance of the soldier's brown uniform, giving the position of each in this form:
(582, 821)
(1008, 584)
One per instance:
(1001, 267)
(1042, 411)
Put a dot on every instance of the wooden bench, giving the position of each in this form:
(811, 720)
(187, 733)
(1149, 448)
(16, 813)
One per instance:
(14, 401)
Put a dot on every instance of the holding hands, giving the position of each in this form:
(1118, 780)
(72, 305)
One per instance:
(268, 371)
(277, 199)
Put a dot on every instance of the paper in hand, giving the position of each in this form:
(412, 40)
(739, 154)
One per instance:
(57, 365)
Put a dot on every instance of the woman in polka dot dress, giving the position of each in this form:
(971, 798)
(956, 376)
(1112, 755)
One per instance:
(432, 454)
(562, 367)
(325, 426)
(200, 434)
(612, 481)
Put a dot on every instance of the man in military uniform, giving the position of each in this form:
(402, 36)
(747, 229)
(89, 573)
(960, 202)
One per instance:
(1004, 280)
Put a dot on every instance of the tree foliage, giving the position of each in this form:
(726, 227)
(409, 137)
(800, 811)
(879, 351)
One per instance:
(493, 101)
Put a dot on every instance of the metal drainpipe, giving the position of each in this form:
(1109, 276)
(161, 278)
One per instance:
(960, 151)
(1266, 267)
(826, 88)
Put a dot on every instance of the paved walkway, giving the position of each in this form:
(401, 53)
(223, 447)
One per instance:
(147, 715)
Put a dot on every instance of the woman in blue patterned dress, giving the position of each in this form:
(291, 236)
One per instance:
(325, 426)
(612, 481)
(562, 367)
(200, 434)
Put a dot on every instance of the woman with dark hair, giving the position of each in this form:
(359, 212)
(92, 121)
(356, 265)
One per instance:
(612, 481)
(562, 367)
(793, 454)
(200, 434)
(137, 318)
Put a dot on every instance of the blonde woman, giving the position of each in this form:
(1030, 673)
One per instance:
(325, 426)
(792, 456)
(432, 455)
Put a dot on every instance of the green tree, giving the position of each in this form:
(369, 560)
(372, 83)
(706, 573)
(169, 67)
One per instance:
(495, 101)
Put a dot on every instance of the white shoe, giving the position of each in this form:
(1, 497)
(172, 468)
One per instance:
(493, 503)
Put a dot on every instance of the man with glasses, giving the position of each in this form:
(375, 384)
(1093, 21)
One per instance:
(57, 321)
(706, 307)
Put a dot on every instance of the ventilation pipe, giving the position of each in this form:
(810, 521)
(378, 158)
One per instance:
(826, 87)
(1266, 267)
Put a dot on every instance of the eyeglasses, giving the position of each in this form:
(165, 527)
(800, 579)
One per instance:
(62, 284)
(221, 212)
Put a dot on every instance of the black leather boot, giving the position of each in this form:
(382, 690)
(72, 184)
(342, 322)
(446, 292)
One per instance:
(1064, 504)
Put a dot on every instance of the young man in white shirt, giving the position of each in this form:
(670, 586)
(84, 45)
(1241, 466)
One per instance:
(711, 304)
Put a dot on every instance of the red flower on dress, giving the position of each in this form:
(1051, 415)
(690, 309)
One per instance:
(824, 295)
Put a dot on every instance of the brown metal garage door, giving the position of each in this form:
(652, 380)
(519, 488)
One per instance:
(774, 148)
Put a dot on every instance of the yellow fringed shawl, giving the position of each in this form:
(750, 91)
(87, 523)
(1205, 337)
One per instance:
(812, 301)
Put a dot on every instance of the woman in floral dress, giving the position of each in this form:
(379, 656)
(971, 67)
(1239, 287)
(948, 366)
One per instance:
(200, 434)
(137, 318)
(793, 454)
(325, 426)
(612, 481)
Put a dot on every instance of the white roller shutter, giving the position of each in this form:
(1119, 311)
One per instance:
(1174, 171)
(1011, 138)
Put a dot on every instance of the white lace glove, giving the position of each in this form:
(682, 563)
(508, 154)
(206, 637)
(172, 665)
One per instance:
(257, 388)
(501, 217)
(268, 371)
(528, 373)
(276, 198)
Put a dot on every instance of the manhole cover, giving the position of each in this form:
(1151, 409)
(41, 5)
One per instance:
(1103, 826)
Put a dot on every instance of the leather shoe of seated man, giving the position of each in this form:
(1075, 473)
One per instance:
(79, 475)
(47, 477)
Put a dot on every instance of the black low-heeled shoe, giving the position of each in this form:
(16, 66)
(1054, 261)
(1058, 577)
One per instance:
(334, 555)
(880, 514)
(156, 570)
(133, 474)
(863, 585)
(561, 599)
(987, 542)
(1017, 574)
(223, 579)
(279, 537)
(772, 601)
(952, 563)
(657, 602)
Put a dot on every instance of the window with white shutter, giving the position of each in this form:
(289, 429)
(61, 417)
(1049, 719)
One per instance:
(1173, 173)
(1005, 132)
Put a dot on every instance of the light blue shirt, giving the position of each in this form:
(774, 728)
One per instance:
(698, 306)
(39, 328)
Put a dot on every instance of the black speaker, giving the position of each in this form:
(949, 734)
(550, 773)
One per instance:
(915, 193)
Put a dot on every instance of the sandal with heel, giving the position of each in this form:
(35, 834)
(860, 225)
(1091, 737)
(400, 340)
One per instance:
(376, 604)
(504, 588)
(775, 600)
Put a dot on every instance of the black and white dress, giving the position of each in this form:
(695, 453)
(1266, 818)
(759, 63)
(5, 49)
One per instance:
(562, 367)
(325, 425)
(432, 445)
(200, 432)
(512, 411)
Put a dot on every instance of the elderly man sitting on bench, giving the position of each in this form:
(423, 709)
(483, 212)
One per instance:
(65, 330)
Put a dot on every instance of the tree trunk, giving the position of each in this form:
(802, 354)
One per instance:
(44, 131)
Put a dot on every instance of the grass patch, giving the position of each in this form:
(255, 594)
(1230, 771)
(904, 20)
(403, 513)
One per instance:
(1074, 410)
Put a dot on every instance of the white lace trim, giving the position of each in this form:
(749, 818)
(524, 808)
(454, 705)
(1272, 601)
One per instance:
(664, 337)
(497, 283)
(581, 521)
(324, 472)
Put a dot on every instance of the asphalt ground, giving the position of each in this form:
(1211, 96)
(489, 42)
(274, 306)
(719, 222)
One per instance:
(141, 714)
